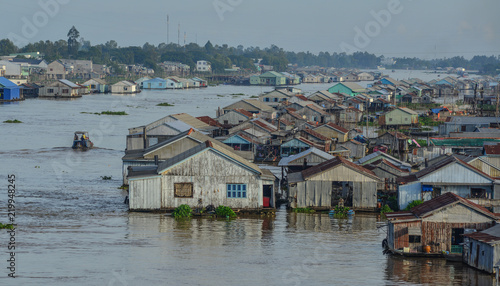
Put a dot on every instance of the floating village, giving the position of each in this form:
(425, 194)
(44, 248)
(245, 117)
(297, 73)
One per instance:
(425, 154)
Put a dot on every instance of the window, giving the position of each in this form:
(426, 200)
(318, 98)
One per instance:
(266, 99)
(183, 190)
(226, 122)
(390, 119)
(50, 90)
(414, 238)
(237, 191)
(65, 91)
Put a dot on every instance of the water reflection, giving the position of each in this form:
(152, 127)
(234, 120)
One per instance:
(433, 272)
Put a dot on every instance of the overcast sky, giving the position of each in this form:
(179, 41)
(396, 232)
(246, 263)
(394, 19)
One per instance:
(421, 28)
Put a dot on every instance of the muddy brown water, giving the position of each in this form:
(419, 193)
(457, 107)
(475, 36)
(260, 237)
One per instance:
(74, 229)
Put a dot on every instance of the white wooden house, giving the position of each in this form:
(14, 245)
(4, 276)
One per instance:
(320, 186)
(204, 175)
(61, 89)
(125, 87)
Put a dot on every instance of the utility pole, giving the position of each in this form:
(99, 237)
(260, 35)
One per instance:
(168, 26)
(179, 35)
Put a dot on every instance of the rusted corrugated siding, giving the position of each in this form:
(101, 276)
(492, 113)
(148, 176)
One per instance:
(401, 238)
(438, 234)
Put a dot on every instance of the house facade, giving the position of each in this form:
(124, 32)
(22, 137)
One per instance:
(438, 224)
(155, 83)
(202, 176)
(322, 185)
(9, 90)
(124, 87)
(62, 88)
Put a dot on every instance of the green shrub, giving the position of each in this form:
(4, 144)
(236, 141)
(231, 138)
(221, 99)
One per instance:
(12, 121)
(413, 204)
(303, 210)
(183, 211)
(223, 211)
(341, 212)
(386, 209)
(164, 104)
(113, 113)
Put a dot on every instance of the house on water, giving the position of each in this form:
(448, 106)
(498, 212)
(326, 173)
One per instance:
(438, 224)
(125, 87)
(450, 175)
(62, 88)
(321, 186)
(96, 85)
(349, 88)
(483, 250)
(204, 175)
(155, 83)
(9, 91)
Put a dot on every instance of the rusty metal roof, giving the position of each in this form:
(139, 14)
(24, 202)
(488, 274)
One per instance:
(316, 134)
(492, 149)
(490, 235)
(336, 127)
(446, 199)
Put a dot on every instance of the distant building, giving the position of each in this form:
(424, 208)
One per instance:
(124, 87)
(61, 88)
(96, 85)
(9, 90)
(349, 88)
(56, 70)
(203, 66)
(155, 83)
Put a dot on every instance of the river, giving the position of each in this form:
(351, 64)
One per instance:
(74, 229)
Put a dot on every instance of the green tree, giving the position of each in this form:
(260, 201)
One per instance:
(73, 43)
(7, 47)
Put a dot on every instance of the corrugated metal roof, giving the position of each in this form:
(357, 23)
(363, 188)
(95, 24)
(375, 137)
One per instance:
(202, 147)
(178, 125)
(244, 112)
(287, 160)
(446, 199)
(492, 149)
(209, 120)
(391, 159)
(407, 110)
(470, 120)
(7, 83)
(490, 235)
(439, 165)
(69, 83)
(316, 134)
(336, 127)
(334, 163)
(192, 121)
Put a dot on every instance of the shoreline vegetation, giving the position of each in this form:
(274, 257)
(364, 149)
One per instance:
(106, 113)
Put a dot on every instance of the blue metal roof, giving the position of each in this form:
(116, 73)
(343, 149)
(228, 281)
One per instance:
(7, 83)
(236, 139)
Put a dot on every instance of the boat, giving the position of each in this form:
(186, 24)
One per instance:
(349, 213)
(81, 141)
